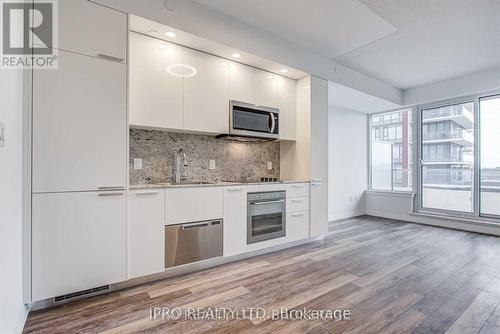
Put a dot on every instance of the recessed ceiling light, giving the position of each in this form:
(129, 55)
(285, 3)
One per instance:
(236, 55)
(170, 34)
(162, 46)
(153, 32)
(284, 70)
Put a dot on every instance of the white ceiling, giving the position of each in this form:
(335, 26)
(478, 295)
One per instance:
(328, 27)
(405, 43)
(347, 98)
(436, 40)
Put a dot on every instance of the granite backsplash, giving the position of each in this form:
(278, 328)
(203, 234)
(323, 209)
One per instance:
(234, 161)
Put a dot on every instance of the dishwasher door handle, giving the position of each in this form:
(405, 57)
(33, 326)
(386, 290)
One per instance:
(187, 226)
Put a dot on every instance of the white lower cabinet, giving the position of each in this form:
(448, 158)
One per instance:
(146, 227)
(78, 241)
(187, 205)
(297, 225)
(235, 220)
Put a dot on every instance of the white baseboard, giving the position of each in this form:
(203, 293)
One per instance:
(439, 222)
(346, 215)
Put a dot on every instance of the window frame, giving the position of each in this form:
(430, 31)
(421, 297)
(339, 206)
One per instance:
(418, 127)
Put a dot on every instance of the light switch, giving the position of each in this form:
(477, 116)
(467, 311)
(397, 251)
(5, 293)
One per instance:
(2, 134)
(269, 165)
(211, 164)
(137, 163)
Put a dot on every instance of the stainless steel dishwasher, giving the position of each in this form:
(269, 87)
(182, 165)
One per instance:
(191, 242)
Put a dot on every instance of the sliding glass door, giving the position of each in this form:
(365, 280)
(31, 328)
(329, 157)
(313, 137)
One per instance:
(447, 157)
(490, 155)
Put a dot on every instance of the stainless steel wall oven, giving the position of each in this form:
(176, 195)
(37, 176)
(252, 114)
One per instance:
(266, 216)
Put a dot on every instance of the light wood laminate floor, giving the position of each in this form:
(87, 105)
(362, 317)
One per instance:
(394, 277)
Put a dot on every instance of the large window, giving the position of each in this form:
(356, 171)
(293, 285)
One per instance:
(490, 155)
(391, 146)
(447, 156)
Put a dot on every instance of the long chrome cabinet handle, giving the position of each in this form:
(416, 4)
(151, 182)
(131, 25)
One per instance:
(110, 194)
(111, 188)
(147, 193)
(111, 58)
(268, 202)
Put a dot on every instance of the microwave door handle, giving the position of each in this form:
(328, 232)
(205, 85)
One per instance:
(273, 122)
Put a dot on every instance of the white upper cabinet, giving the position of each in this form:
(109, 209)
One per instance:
(91, 29)
(254, 86)
(319, 156)
(78, 241)
(266, 89)
(287, 104)
(156, 83)
(80, 125)
(242, 83)
(146, 230)
(206, 92)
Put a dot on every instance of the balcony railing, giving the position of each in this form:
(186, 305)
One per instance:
(446, 112)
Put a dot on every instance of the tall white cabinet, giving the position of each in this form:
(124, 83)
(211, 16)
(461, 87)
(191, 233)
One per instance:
(319, 156)
(79, 155)
(79, 123)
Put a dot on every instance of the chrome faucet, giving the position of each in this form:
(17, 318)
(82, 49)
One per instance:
(178, 176)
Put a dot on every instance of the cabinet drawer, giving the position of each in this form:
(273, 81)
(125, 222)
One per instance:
(297, 225)
(186, 205)
(297, 190)
(297, 204)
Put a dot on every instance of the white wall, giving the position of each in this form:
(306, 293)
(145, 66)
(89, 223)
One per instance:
(479, 82)
(12, 310)
(348, 161)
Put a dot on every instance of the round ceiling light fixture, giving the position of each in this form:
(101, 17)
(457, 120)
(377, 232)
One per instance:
(181, 70)
(153, 32)
(284, 70)
(236, 55)
(170, 34)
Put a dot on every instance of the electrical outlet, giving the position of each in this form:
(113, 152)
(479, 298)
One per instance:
(269, 165)
(2, 134)
(137, 163)
(211, 164)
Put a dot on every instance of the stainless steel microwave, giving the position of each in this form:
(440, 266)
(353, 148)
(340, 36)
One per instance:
(248, 120)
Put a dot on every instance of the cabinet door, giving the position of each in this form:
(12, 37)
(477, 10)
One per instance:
(80, 125)
(242, 83)
(187, 205)
(78, 242)
(266, 89)
(146, 231)
(206, 93)
(156, 83)
(91, 29)
(287, 104)
(235, 220)
(297, 225)
(319, 156)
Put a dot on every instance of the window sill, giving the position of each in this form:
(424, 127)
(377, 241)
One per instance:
(392, 193)
(479, 221)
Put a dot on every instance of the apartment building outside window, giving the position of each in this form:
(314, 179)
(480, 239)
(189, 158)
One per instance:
(391, 147)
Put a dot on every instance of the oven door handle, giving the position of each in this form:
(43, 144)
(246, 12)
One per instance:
(267, 202)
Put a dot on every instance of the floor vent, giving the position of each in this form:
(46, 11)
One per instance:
(80, 293)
